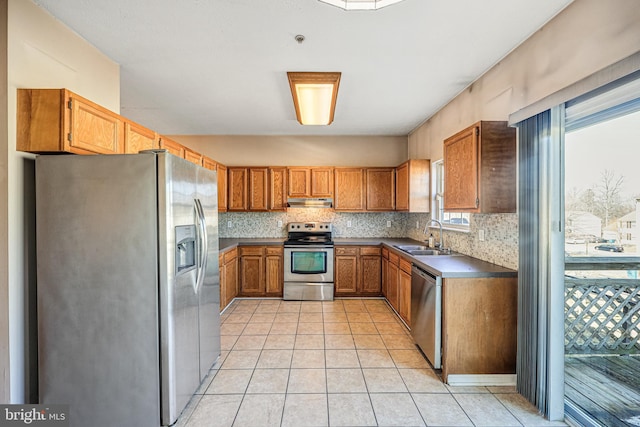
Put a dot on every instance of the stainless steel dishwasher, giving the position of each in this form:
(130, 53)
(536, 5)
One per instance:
(426, 314)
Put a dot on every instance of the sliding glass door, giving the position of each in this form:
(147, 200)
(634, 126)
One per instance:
(602, 256)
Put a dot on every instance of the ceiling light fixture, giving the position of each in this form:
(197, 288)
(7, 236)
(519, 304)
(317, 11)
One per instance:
(314, 96)
(361, 4)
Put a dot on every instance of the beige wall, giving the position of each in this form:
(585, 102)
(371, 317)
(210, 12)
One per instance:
(41, 53)
(587, 36)
(300, 150)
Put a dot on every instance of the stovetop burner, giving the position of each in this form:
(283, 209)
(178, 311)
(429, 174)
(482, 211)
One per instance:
(309, 233)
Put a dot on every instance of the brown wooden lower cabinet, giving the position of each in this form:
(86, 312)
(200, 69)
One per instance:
(261, 271)
(396, 283)
(358, 271)
(393, 275)
(404, 291)
(479, 318)
(228, 262)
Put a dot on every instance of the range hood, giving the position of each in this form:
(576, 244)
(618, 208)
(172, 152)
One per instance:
(310, 202)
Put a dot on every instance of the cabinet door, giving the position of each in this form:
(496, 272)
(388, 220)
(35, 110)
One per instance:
(349, 189)
(209, 163)
(404, 290)
(222, 187)
(393, 274)
(371, 274)
(231, 279)
(385, 271)
(258, 189)
(94, 128)
(237, 189)
(193, 157)
(252, 271)
(172, 147)
(321, 182)
(380, 189)
(277, 189)
(299, 182)
(346, 269)
(402, 187)
(138, 138)
(274, 271)
(461, 171)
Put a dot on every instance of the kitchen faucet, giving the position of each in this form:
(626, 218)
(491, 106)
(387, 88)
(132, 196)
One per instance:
(426, 227)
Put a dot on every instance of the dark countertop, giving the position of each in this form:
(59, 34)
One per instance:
(226, 244)
(447, 266)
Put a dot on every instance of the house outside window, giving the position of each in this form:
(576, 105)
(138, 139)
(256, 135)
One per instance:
(451, 220)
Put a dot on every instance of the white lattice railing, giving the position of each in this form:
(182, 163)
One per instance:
(602, 316)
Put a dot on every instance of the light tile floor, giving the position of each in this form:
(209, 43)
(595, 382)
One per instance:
(347, 362)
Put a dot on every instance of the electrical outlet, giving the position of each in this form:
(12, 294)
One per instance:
(481, 235)
(348, 224)
(229, 224)
(417, 224)
(279, 223)
(388, 224)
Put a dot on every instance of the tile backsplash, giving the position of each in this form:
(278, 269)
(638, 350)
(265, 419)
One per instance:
(499, 247)
(265, 224)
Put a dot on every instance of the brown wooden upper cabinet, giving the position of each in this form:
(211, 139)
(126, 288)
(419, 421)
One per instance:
(258, 197)
(172, 147)
(257, 188)
(349, 193)
(277, 188)
(222, 187)
(413, 186)
(138, 138)
(380, 189)
(193, 157)
(58, 120)
(480, 169)
(238, 190)
(310, 181)
(209, 163)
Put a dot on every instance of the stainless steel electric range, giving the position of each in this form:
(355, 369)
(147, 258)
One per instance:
(308, 262)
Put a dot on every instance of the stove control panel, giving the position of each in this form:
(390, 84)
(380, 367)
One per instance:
(309, 226)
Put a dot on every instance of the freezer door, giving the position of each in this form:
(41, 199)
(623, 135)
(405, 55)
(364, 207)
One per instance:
(179, 299)
(207, 196)
(98, 339)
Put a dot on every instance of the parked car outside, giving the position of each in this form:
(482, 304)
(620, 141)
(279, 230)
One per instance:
(609, 248)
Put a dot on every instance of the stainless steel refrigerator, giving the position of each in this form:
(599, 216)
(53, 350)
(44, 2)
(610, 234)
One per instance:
(128, 285)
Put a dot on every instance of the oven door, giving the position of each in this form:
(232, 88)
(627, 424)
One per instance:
(308, 264)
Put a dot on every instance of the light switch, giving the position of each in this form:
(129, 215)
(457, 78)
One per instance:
(388, 224)
(481, 235)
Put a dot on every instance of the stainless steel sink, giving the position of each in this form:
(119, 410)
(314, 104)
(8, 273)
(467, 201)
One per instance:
(424, 252)
(408, 248)
(421, 250)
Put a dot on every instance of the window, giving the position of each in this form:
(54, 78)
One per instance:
(456, 220)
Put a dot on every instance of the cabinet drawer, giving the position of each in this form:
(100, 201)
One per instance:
(346, 250)
(370, 250)
(405, 265)
(230, 254)
(251, 250)
(274, 250)
(394, 258)
(385, 253)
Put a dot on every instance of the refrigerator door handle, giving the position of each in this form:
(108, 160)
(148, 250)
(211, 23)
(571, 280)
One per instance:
(203, 245)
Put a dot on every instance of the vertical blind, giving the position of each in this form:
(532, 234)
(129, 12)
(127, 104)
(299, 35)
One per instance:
(540, 366)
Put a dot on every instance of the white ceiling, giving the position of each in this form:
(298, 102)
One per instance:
(219, 66)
